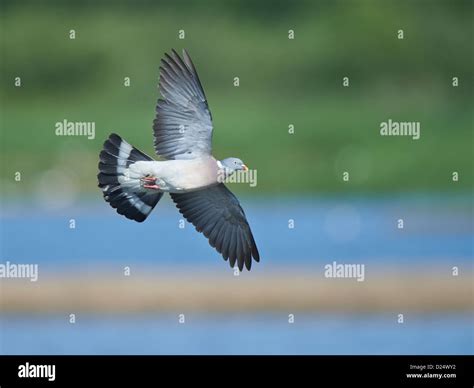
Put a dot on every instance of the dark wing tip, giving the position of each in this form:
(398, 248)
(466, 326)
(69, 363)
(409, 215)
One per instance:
(223, 223)
(174, 52)
(255, 253)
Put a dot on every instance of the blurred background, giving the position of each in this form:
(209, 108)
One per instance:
(159, 288)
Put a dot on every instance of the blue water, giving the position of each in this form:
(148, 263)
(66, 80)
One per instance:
(324, 230)
(259, 334)
(435, 232)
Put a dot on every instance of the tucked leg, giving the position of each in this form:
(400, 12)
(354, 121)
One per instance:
(149, 182)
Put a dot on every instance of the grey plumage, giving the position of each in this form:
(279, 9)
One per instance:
(133, 183)
(217, 213)
(183, 124)
(126, 197)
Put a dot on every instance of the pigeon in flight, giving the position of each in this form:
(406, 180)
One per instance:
(133, 183)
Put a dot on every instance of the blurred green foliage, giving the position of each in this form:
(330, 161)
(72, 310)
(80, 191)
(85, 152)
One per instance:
(282, 82)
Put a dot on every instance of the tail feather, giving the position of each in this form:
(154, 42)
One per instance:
(123, 192)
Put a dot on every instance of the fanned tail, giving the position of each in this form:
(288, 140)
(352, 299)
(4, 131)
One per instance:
(121, 188)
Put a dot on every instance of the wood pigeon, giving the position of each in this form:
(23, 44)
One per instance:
(133, 183)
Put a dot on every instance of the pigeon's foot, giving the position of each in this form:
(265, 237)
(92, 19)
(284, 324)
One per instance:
(149, 182)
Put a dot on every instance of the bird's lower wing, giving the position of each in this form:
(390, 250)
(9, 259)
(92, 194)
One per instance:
(217, 213)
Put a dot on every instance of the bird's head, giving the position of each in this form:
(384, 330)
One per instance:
(231, 165)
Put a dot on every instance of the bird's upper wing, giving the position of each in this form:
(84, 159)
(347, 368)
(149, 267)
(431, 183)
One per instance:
(183, 123)
(216, 212)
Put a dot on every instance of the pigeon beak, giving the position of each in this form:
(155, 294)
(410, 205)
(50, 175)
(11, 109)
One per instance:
(244, 167)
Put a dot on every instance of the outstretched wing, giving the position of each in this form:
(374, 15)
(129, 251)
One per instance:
(216, 212)
(183, 123)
